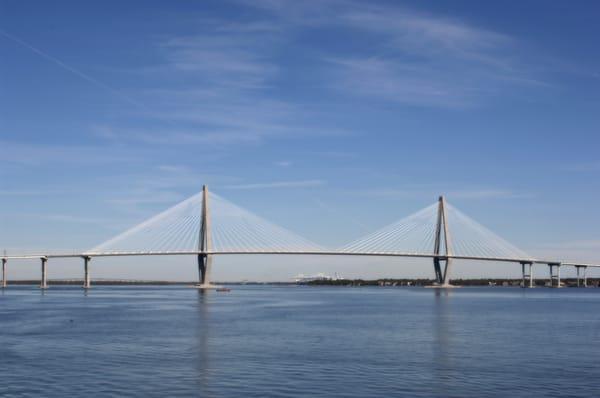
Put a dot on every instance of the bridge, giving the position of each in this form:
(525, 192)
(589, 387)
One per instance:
(207, 225)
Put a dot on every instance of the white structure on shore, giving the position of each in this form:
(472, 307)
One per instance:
(301, 278)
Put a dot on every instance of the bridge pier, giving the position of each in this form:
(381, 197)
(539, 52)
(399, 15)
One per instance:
(442, 277)
(527, 281)
(86, 277)
(446, 280)
(4, 282)
(437, 267)
(204, 266)
(554, 277)
(577, 267)
(44, 280)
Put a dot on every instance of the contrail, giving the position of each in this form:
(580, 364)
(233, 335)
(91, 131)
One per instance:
(70, 68)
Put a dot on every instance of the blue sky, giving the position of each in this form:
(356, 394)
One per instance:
(330, 118)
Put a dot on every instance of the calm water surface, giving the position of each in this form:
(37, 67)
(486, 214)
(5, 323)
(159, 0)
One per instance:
(299, 341)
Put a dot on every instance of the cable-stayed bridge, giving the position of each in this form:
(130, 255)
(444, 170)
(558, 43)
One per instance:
(206, 225)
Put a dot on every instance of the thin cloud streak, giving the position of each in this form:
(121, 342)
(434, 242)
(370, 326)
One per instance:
(582, 167)
(63, 218)
(30, 154)
(488, 194)
(584, 251)
(590, 244)
(279, 184)
(231, 61)
(32, 192)
(467, 194)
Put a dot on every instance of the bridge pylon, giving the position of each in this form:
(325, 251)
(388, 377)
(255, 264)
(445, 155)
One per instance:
(204, 244)
(442, 236)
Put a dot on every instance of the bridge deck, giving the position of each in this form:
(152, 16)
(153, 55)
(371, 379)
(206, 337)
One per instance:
(310, 253)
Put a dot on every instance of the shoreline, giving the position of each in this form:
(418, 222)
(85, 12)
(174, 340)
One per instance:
(491, 282)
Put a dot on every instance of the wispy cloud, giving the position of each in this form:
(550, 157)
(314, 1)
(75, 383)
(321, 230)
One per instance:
(34, 154)
(489, 194)
(229, 71)
(585, 250)
(154, 198)
(425, 59)
(474, 194)
(144, 193)
(227, 59)
(227, 67)
(221, 136)
(414, 57)
(279, 184)
(592, 244)
(66, 218)
(335, 154)
(172, 168)
(396, 81)
(410, 30)
(334, 210)
(582, 167)
(36, 192)
(218, 87)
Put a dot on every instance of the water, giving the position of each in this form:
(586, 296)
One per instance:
(299, 341)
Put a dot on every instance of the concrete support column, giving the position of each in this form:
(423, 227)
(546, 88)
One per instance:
(581, 276)
(44, 281)
(4, 272)
(554, 278)
(86, 277)
(527, 272)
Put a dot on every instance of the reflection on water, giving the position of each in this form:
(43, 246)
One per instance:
(203, 330)
(441, 341)
(298, 341)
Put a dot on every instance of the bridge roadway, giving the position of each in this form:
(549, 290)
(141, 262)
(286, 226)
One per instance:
(286, 252)
(526, 263)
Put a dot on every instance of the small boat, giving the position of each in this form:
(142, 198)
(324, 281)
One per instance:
(223, 289)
